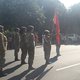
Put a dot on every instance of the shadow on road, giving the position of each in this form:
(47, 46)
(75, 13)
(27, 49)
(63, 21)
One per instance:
(37, 73)
(54, 59)
(8, 63)
(18, 77)
(43, 74)
(10, 70)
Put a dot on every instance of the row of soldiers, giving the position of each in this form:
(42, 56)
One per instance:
(24, 38)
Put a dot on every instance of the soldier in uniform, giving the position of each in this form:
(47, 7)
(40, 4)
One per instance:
(30, 46)
(16, 43)
(3, 48)
(47, 45)
(23, 45)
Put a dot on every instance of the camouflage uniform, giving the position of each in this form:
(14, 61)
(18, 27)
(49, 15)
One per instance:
(30, 48)
(47, 46)
(3, 48)
(30, 45)
(16, 43)
(23, 45)
(27, 46)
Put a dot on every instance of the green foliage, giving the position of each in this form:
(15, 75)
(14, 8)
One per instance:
(40, 13)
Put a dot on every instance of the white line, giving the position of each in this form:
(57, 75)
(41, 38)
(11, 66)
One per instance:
(68, 67)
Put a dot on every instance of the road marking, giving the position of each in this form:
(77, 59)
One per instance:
(68, 67)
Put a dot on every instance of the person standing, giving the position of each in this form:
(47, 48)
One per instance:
(58, 44)
(3, 48)
(23, 44)
(30, 46)
(16, 43)
(47, 45)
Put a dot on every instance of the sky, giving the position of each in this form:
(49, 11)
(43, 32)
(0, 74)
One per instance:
(69, 3)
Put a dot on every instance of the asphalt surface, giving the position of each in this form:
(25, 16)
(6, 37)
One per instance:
(65, 67)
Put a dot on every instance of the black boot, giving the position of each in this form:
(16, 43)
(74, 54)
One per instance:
(58, 55)
(30, 68)
(47, 62)
(16, 59)
(23, 62)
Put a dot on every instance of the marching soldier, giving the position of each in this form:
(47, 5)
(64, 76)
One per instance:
(3, 48)
(16, 43)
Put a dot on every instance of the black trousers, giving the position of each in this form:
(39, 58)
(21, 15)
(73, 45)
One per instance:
(16, 50)
(58, 49)
(47, 50)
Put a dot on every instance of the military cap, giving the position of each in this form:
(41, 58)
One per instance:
(46, 32)
(17, 29)
(30, 28)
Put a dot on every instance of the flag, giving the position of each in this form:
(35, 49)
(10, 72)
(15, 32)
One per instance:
(56, 22)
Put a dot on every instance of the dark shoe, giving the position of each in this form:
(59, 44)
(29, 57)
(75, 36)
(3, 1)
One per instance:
(58, 55)
(47, 63)
(2, 74)
(17, 60)
(23, 63)
(31, 68)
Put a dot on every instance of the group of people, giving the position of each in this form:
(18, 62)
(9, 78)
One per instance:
(24, 38)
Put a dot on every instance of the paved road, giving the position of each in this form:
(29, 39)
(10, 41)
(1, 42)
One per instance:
(65, 67)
